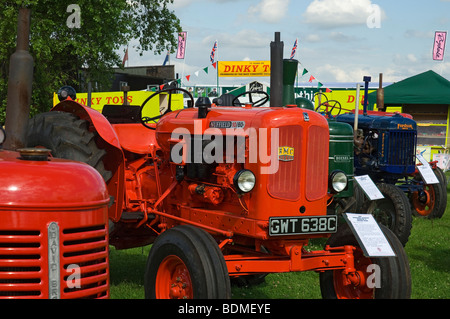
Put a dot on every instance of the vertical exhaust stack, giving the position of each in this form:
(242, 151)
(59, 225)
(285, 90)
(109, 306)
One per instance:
(380, 94)
(276, 72)
(366, 80)
(289, 74)
(19, 85)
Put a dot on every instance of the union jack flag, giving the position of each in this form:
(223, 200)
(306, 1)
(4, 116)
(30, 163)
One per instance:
(294, 49)
(213, 52)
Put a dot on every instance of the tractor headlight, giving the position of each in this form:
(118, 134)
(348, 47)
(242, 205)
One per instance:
(244, 180)
(338, 181)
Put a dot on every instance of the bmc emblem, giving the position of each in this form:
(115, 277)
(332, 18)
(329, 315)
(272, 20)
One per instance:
(285, 153)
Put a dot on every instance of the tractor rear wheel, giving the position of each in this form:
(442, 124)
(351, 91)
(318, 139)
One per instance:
(186, 263)
(393, 211)
(389, 279)
(68, 137)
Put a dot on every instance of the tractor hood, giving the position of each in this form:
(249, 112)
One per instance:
(223, 118)
(49, 183)
(376, 122)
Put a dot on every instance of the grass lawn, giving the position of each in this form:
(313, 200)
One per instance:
(428, 251)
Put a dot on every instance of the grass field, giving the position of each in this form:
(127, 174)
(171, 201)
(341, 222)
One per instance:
(428, 251)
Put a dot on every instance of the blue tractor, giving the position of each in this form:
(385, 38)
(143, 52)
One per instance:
(385, 149)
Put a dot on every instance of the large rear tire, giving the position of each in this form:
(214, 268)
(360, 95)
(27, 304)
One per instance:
(394, 281)
(393, 211)
(68, 137)
(186, 263)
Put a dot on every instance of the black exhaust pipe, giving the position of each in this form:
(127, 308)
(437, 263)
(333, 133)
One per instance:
(19, 86)
(276, 71)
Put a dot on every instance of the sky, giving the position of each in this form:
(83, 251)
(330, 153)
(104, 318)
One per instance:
(338, 40)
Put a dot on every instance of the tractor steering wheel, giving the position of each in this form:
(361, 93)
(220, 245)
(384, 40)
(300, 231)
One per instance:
(257, 103)
(145, 120)
(320, 96)
(330, 104)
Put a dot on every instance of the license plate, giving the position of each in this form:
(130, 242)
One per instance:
(282, 226)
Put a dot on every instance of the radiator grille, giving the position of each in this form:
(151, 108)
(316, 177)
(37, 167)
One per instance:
(85, 252)
(285, 183)
(83, 263)
(317, 163)
(401, 150)
(21, 265)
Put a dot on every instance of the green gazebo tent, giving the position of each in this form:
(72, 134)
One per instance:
(426, 96)
(424, 88)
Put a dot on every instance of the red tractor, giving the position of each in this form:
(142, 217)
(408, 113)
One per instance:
(211, 219)
(222, 192)
(54, 229)
(54, 212)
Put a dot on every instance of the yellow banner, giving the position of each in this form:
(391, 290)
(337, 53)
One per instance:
(151, 109)
(243, 68)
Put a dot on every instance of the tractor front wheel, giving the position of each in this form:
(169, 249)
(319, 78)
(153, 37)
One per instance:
(431, 200)
(186, 263)
(374, 277)
(393, 211)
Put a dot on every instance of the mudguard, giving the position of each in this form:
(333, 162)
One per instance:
(114, 159)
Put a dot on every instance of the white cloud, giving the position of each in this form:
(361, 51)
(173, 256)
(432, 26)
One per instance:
(341, 37)
(312, 38)
(332, 13)
(404, 59)
(177, 4)
(270, 11)
(246, 38)
(335, 73)
(419, 34)
(411, 57)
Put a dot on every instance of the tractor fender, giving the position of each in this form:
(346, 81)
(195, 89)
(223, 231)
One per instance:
(101, 124)
(114, 159)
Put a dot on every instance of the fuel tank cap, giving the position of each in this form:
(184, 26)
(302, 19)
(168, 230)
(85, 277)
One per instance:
(34, 154)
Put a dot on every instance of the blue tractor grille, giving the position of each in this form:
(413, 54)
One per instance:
(398, 150)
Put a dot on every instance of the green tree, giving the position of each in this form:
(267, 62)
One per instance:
(61, 48)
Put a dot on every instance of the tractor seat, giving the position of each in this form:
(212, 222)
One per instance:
(136, 138)
(117, 114)
(225, 100)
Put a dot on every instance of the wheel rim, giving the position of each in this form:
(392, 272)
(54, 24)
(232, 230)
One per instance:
(424, 203)
(354, 285)
(383, 212)
(173, 280)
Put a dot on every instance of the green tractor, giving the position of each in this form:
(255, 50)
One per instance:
(392, 211)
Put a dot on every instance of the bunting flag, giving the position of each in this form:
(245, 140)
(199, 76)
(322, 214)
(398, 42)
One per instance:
(294, 49)
(125, 58)
(214, 65)
(182, 37)
(197, 73)
(312, 78)
(439, 45)
(213, 52)
(166, 60)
